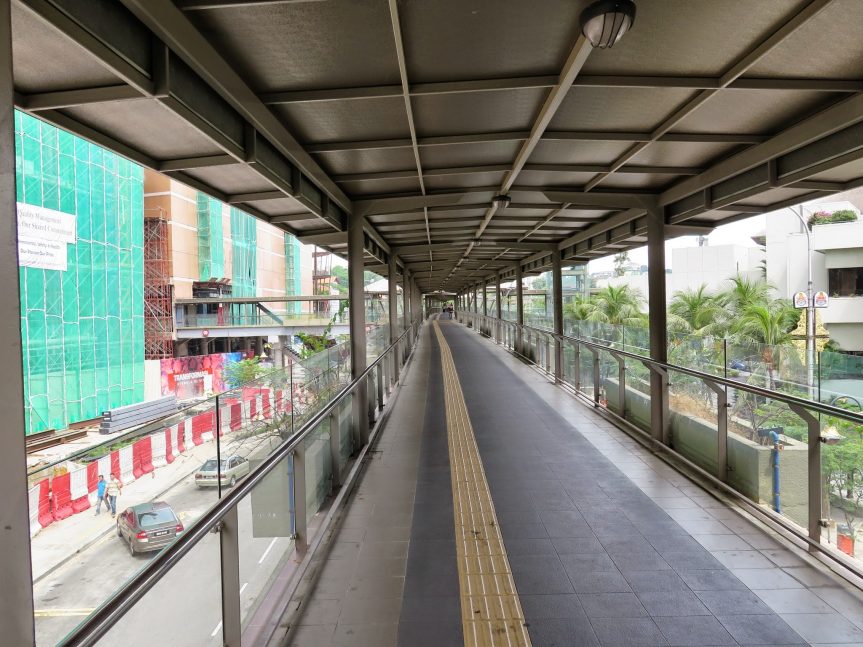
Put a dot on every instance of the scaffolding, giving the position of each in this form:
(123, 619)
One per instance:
(322, 278)
(158, 291)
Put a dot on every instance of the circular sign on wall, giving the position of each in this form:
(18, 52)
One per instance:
(205, 333)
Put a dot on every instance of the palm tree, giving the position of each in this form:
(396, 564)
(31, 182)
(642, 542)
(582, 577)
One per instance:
(694, 312)
(769, 326)
(744, 292)
(578, 309)
(617, 305)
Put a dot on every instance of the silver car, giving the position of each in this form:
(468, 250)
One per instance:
(148, 526)
(232, 470)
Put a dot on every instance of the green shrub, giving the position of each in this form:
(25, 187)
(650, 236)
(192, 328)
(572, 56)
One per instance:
(826, 217)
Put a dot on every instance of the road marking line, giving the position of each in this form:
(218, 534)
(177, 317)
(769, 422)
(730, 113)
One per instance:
(243, 588)
(267, 552)
(216, 630)
(491, 610)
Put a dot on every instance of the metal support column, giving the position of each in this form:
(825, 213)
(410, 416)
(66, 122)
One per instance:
(394, 312)
(357, 298)
(499, 306)
(485, 297)
(722, 407)
(658, 323)
(16, 609)
(475, 299)
(229, 544)
(519, 310)
(301, 532)
(557, 305)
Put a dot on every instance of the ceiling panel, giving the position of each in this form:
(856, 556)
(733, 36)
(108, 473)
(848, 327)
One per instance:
(469, 154)
(337, 121)
(481, 112)
(366, 161)
(627, 109)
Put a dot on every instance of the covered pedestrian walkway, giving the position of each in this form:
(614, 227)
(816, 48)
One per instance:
(453, 145)
(498, 509)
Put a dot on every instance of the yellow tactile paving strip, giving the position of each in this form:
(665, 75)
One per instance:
(490, 609)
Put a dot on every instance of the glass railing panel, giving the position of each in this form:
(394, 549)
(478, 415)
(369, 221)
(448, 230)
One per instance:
(609, 377)
(637, 411)
(586, 385)
(183, 608)
(319, 469)
(345, 429)
(265, 543)
(693, 426)
(767, 451)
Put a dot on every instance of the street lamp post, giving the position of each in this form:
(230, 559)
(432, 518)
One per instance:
(810, 308)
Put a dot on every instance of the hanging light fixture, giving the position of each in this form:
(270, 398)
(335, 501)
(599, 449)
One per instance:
(501, 201)
(606, 21)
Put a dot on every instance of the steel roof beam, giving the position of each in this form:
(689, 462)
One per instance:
(732, 74)
(497, 168)
(78, 97)
(589, 80)
(557, 135)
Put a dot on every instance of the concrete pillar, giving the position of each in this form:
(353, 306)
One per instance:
(557, 305)
(392, 275)
(519, 308)
(658, 323)
(16, 608)
(356, 295)
(181, 348)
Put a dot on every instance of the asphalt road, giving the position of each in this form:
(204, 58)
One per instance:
(182, 609)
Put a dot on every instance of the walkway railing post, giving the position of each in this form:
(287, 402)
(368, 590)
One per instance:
(16, 611)
(335, 445)
(356, 267)
(557, 305)
(301, 537)
(658, 322)
(229, 543)
(721, 428)
(814, 491)
(499, 307)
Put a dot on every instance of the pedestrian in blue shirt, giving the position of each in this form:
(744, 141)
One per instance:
(100, 493)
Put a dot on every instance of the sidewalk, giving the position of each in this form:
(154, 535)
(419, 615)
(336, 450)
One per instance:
(55, 545)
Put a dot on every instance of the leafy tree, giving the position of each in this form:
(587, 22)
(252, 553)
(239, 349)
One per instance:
(540, 283)
(239, 373)
(620, 262)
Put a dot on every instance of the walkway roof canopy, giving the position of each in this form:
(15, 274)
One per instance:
(416, 114)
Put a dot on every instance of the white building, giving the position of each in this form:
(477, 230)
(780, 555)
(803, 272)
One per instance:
(692, 267)
(837, 264)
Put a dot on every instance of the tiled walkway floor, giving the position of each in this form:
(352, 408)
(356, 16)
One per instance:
(608, 544)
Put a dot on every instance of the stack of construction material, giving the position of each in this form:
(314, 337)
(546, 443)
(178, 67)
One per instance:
(137, 414)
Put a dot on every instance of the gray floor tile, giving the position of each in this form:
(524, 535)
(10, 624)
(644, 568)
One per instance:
(729, 603)
(560, 605)
(672, 603)
(640, 561)
(562, 632)
(655, 581)
(823, 627)
(313, 636)
(320, 612)
(363, 610)
(766, 578)
(577, 545)
(523, 531)
(537, 574)
(712, 580)
(581, 563)
(530, 546)
(760, 630)
(633, 632)
(692, 560)
(694, 631)
(365, 635)
(794, 601)
(611, 605)
(742, 559)
(599, 582)
(444, 608)
(430, 633)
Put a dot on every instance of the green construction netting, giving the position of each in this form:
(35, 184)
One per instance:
(211, 249)
(82, 329)
(292, 270)
(244, 258)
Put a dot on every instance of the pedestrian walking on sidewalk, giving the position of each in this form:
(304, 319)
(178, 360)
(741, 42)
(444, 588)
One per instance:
(112, 491)
(100, 494)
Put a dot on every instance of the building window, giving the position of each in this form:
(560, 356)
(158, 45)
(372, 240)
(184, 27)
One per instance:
(846, 281)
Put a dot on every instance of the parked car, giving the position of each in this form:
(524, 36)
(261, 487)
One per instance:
(232, 470)
(148, 526)
(739, 365)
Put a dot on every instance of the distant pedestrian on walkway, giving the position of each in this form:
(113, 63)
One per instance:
(112, 491)
(100, 494)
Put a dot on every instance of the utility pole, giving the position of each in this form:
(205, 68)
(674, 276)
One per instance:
(810, 308)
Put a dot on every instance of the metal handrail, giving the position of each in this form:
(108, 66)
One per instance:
(116, 606)
(786, 398)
